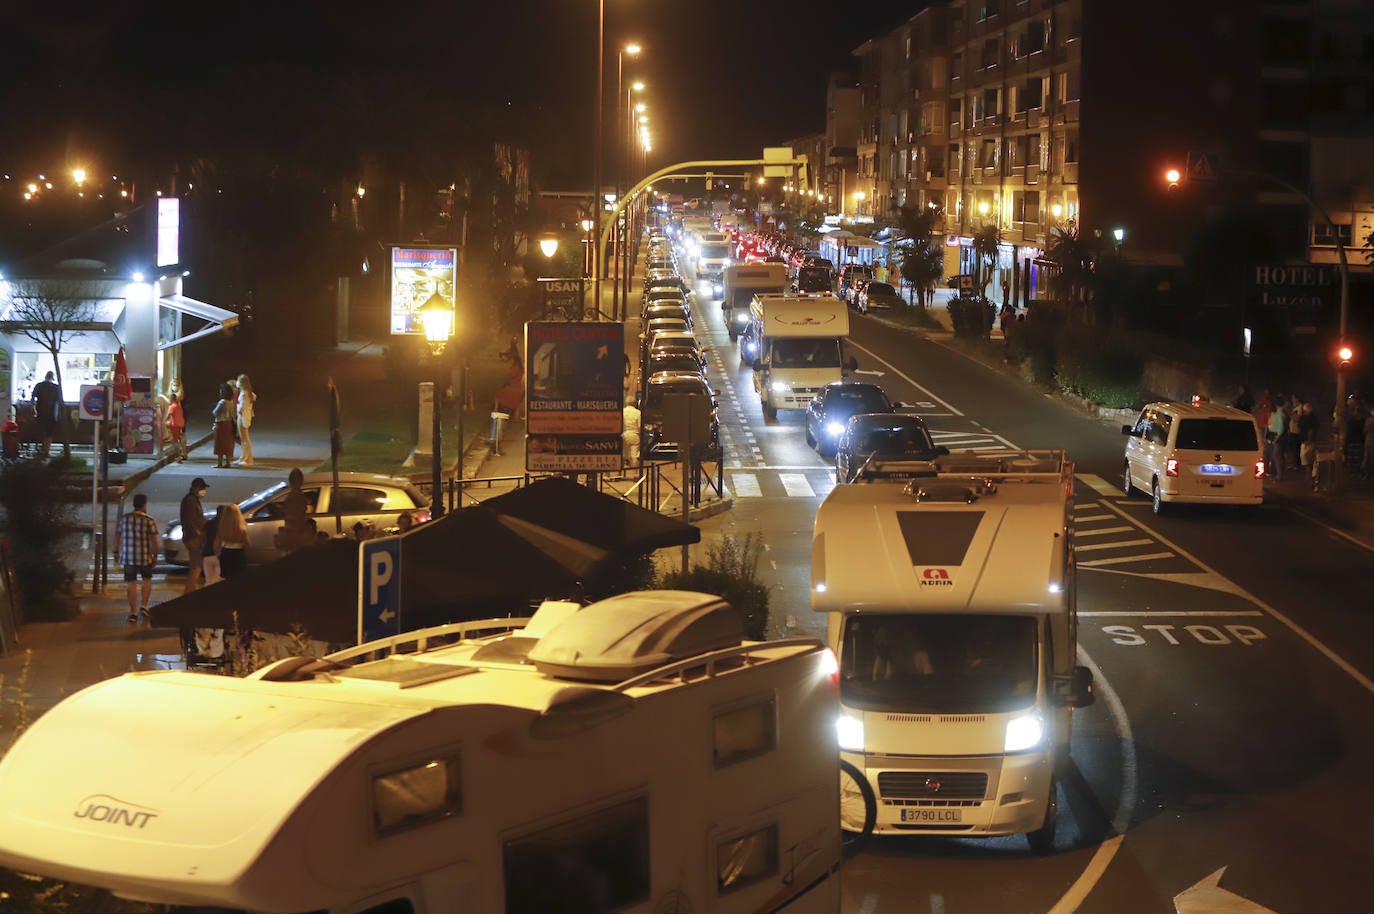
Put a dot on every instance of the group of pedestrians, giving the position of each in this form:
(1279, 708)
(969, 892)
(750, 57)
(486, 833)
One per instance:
(216, 547)
(1292, 428)
(233, 417)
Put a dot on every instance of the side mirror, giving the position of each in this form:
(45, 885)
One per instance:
(898, 404)
(851, 364)
(1128, 429)
(1077, 690)
(941, 451)
(758, 365)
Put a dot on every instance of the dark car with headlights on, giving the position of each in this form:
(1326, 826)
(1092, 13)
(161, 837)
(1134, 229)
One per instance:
(897, 436)
(878, 296)
(653, 442)
(831, 408)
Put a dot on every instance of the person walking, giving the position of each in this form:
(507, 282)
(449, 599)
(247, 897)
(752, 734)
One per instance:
(193, 532)
(630, 437)
(245, 407)
(209, 559)
(232, 546)
(1276, 440)
(1307, 441)
(1244, 400)
(136, 545)
(223, 415)
(47, 409)
(176, 426)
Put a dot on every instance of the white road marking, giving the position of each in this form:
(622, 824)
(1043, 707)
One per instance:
(1145, 613)
(796, 485)
(1088, 517)
(746, 485)
(1121, 559)
(1102, 531)
(1120, 545)
(905, 377)
(1098, 484)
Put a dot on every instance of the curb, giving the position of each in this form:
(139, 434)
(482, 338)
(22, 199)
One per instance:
(711, 509)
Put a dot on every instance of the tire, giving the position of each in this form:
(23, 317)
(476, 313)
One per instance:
(810, 438)
(1158, 503)
(1126, 485)
(734, 335)
(1041, 840)
(858, 808)
(770, 411)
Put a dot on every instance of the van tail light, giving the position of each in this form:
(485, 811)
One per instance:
(1171, 467)
(1259, 469)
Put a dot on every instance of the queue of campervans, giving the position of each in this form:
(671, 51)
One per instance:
(795, 344)
(635, 755)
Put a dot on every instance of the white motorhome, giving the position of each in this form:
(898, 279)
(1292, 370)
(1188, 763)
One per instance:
(633, 755)
(950, 590)
(712, 257)
(795, 343)
(742, 281)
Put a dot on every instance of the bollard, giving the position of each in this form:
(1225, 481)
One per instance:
(498, 425)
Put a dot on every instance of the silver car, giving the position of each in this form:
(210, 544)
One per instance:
(366, 497)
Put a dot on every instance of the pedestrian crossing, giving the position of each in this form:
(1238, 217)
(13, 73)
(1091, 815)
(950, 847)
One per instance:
(780, 482)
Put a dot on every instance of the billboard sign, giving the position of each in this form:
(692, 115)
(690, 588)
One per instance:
(574, 390)
(168, 231)
(418, 274)
(565, 453)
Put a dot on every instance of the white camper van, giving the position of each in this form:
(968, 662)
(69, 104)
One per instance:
(742, 282)
(633, 755)
(795, 343)
(950, 590)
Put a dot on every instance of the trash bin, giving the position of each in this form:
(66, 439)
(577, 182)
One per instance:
(498, 425)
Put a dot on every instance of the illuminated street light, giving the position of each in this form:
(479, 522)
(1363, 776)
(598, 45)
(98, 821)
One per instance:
(983, 208)
(436, 317)
(1119, 234)
(1056, 210)
(79, 175)
(362, 191)
(548, 245)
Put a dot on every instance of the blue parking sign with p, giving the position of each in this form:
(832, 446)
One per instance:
(379, 588)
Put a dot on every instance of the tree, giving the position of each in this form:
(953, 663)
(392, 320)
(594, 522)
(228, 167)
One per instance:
(921, 258)
(1071, 280)
(50, 312)
(985, 244)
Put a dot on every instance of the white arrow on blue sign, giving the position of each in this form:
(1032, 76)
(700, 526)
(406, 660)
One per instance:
(379, 588)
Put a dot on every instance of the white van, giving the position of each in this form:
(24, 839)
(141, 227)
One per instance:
(1194, 452)
(634, 755)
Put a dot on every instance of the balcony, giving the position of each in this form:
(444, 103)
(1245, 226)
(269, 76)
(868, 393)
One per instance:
(1033, 118)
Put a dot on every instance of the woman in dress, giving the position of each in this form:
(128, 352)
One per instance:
(224, 414)
(244, 405)
(176, 426)
(233, 542)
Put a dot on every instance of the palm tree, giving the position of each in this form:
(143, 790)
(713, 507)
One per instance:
(1071, 281)
(921, 259)
(985, 244)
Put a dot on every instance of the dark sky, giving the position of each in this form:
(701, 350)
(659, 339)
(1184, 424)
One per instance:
(725, 78)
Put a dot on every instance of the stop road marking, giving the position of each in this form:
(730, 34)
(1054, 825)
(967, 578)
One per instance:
(1210, 635)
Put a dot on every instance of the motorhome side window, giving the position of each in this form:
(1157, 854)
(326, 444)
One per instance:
(745, 860)
(596, 862)
(745, 731)
(416, 795)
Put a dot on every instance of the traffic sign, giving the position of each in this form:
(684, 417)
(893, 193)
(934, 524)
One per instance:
(1202, 168)
(379, 588)
(95, 402)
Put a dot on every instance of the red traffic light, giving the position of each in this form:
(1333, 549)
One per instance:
(1345, 354)
(1173, 176)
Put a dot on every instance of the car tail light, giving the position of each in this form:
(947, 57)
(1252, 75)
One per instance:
(420, 516)
(1259, 469)
(1171, 467)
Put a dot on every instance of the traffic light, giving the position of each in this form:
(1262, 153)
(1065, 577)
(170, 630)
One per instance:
(1345, 355)
(1173, 176)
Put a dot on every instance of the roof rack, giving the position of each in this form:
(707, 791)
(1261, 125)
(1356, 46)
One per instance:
(711, 663)
(421, 638)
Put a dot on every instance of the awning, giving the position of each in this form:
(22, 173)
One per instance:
(217, 318)
(613, 524)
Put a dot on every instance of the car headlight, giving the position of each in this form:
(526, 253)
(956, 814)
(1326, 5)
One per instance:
(741, 317)
(1024, 732)
(174, 533)
(780, 387)
(834, 429)
(849, 732)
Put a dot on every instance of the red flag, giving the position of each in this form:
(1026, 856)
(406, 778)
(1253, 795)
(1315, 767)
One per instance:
(123, 390)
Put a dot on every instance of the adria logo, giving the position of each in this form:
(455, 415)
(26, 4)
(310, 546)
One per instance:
(935, 577)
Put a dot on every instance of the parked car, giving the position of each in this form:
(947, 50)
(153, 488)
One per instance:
(674, 361)
(878, 296)
(667, 308)
(367, 497)
(831, 408)
(891, 435)
(653, 443)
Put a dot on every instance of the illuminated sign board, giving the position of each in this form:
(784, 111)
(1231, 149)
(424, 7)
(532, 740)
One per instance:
(168, 231)
(418, 274)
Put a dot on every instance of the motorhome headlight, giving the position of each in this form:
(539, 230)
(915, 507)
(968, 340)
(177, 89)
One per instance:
(849, 732)
(1024, 732)
(834, 429)
(741, 317)
(780, 387)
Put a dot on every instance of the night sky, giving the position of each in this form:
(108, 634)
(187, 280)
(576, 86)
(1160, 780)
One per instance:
(135, 84)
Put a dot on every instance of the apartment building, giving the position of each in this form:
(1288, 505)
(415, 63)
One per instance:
(840, 166)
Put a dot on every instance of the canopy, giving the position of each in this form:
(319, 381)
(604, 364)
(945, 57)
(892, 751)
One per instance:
(472, 564)
(217, 318)
(613, 524)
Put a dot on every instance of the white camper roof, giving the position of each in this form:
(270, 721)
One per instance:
(172, 785)
(957, 541)
(756, 275)
(801, 315)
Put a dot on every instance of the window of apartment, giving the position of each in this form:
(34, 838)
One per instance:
(988, 8)
(1025, 206)
(596, 862)
(955, 106)
(1018, 150)
(953, 160)
(907, 45)
(1324, 237)
(1067, 86)
(974, 109)
(1072, 27)
(1034, 154)
(992, 102)
(1287, 41)
(991, 48)
(956, 65)
(987, 157)
(1033, 39)
(1071, 148)
(1032, 94)
(1285, 104)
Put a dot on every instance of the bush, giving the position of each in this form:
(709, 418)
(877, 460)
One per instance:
(1030, 344)
(1105, 367)
(971, 317)
(730, 572)
(38, 501)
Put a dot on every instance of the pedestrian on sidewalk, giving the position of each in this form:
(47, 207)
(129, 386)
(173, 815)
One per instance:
(136, 545)
(1264, 406)
(47, 408)
(1276, 439)
(176, 426)
(223, 416)
(245, 409)
(193, 532)
(1244, 401)
(630, 436)
(232, 547)
(1307, 440)
(209, 559)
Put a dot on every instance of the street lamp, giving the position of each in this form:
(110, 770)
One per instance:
(436, 316)
(548, 245)
(622, 181)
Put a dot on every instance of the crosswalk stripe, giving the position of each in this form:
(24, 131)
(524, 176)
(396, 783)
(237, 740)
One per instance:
(1098, 484)
(796, 485)
(1082, 518)
(746, 485)
(1118, 545)
(1103, 531)
(1122, 559)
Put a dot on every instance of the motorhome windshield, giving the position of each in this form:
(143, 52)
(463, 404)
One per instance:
(965, 664)
(806, 353)
(715, 251)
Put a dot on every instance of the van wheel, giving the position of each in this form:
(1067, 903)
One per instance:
(858, 808)
(770, 411)
(734, 335)
(1156, 497)
(1041, 840)
(810, 438)
(1126, 485)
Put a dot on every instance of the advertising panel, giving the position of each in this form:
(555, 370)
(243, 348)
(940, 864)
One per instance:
(562, 453)
(168, 231)
(417, 274)
(574, 394)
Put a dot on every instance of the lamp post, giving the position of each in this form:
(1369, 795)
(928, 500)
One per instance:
(436, 316)
(621, 94)
(597, 202)
(587, 225)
